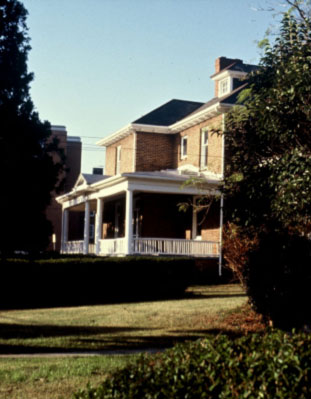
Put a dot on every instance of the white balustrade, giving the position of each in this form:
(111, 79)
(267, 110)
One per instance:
(73, 247)
(171, 246)
(114, 246)
(148, 246)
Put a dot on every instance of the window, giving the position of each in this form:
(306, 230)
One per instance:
(184, 142)
(118, 160)
(204, 148)
(224, 86)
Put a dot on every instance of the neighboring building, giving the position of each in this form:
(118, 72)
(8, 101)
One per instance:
(72, 151)
(148, 163)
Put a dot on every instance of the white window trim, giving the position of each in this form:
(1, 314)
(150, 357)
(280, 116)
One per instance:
(204, 156)
(118, 160)
(182, 154)
(228, 80)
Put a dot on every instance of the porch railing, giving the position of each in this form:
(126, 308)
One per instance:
(148, 246)
(73, 247)
(172, 246)
(112, 246)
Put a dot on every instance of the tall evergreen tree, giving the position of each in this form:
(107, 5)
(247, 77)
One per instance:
(28, 174)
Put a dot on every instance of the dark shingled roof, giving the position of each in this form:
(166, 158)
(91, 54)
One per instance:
(169, 113)
(239, 66)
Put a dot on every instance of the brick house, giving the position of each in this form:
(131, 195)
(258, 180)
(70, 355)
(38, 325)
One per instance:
(135, 204)
(72, 146)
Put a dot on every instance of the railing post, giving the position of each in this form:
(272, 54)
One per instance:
(86, 228)
(98, 224)
(129, 222)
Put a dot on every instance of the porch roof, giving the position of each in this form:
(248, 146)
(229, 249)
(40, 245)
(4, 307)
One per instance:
(165, 181)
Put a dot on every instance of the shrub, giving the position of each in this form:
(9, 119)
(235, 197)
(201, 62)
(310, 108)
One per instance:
(278, 279)
(87, 280)
(273, 365)
(236, 247)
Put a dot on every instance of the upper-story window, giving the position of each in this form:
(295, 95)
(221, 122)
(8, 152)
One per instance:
(204, 148)
(118, 160)
(224, 86)
(183, 146)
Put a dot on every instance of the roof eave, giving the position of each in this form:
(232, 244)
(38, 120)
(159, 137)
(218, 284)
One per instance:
(201, 116)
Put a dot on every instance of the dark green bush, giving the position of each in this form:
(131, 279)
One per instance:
(273, 365)
(278, 280)
(87, 280)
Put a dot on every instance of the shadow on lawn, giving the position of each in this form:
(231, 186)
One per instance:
(92, 339)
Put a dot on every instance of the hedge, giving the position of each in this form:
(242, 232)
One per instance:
(273, 365)
(86, 280)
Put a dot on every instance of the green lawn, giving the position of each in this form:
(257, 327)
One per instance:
(118, 326)
(156, 324)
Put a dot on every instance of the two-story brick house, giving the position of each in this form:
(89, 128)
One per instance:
(148, 162)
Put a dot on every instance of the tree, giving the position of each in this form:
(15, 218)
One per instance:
(268, 137)
(268, 174)
(28, 174)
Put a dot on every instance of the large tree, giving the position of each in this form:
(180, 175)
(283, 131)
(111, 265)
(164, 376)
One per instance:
(268, 183)
(28, 173)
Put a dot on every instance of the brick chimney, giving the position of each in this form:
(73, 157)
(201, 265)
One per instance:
(223, 62)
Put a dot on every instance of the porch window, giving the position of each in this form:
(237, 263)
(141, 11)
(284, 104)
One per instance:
(204, 148)
(183, 145)
(118, 160)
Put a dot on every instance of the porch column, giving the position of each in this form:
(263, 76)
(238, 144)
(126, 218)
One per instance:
(194, 219)
(129, 222)
(86, 228)
(65, 222)
(220, 233)
(98, 224)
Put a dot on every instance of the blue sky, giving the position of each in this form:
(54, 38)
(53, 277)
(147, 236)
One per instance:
(100, 64)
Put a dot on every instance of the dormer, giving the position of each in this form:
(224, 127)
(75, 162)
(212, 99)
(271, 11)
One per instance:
(229, 75)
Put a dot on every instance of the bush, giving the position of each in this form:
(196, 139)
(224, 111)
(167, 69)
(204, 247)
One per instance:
(273, 365)
(278, 280)
(236, 247)
(86, 280)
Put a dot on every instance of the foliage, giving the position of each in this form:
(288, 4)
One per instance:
(85, 280)
(278, 279)
(236, 247)
(272, 365)
(268, 138)
(28, 173)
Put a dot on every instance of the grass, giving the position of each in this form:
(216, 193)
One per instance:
(159, 324)
(113, 327)
(40, 378)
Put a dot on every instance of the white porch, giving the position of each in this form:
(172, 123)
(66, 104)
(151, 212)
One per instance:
(127, 238)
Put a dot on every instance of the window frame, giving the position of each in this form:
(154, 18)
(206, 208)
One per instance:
(227, 83)
(204, 149)
(183, 153)
(118, 159)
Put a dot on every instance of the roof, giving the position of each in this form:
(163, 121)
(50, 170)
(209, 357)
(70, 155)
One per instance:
(237, 66)
(169, 113)
(90, 179)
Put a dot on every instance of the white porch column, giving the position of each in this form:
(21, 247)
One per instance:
(220, 233)
(129, 222)
(65, 223)
(98, 224)
(86, 228)
(194, 219)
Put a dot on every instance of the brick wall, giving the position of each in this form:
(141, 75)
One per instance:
(194, 145)
(127, 150)
(155, 151)
(211, 226)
